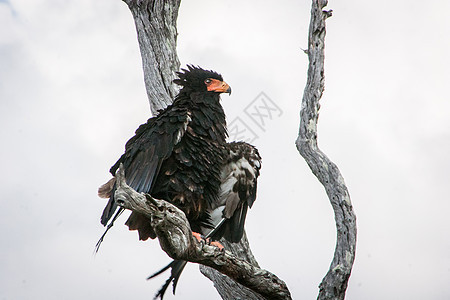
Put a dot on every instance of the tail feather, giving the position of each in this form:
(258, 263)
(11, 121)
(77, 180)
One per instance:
(109, 210)
(119, 212)
(107, 191)
(235, 227)
(231, 229)
(177, 267)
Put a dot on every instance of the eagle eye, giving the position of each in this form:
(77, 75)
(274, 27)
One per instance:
(208, 81)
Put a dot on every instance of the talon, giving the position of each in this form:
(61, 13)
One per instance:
(217, 244)
(198, 236)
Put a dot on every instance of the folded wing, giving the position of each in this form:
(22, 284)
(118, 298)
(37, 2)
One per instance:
(145, 152)
(237, 191)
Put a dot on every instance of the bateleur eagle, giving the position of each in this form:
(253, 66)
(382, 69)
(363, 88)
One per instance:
(182, 156)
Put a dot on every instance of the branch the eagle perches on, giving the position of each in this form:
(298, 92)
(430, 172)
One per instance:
(175, 237)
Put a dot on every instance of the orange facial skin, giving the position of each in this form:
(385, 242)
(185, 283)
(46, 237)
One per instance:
(214, 85)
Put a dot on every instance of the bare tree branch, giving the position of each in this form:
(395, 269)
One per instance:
(226, 286)
(334, 284)
(176, 239)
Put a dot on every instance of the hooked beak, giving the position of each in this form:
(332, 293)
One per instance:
(218, 86)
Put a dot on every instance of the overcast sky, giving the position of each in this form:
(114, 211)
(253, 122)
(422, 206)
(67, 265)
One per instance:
(72, 93)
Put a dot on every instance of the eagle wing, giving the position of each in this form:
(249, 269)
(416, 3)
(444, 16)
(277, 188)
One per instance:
(237, 191)
(147, 150)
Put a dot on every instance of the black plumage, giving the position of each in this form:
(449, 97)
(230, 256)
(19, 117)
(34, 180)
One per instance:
(177, 155)
(182, 156)
(239, 174)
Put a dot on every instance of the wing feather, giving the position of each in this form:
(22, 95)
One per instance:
(145, 152)
(237, 191)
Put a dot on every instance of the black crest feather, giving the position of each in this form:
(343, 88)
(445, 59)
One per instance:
(194, 77)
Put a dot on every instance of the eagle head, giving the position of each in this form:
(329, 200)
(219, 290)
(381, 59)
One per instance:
(198, 80)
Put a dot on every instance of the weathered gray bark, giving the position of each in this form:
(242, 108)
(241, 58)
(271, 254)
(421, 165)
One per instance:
(334, 284)
(226, 286)
(155, 22)
(156, 26)
(176, 239)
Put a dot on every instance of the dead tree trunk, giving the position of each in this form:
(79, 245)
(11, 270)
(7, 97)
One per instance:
(156, 27)
(334, 284)
(155, 22)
